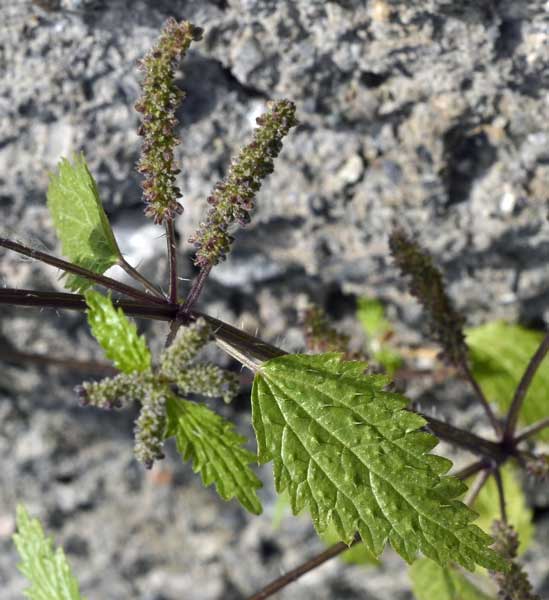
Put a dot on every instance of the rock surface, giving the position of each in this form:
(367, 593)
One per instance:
(432, 114)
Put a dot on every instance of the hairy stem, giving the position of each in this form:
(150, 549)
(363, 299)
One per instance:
(11, 355)
(476, 488)
(531, 430)
(523, 387)
(466, 439)
(296, 573)
(501, 495)
(68, 267)
(466, 371)
(62, 300)
(470, 470)
(135, 274)
(197, 287)
(172, 260)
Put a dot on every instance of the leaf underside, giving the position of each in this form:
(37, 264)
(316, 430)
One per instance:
(215, 449)
(46, 569)
(347, 450)
(499, 355)
(117, 335)
(431, 581)
(80, 221)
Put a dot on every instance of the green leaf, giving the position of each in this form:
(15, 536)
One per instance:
(215, 449)
(80, 221)
(348, 451)
(117, 335)
(518, 513)
(431, 581)
(371, 315)
(499, 355)
(47, 569)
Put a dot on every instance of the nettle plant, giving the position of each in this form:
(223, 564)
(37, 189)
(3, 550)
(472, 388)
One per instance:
(345, 447)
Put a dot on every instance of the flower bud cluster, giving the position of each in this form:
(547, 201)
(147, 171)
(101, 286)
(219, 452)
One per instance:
(208, 380)
(427, 285)
(513, 584)
(152, 388)
(112, 392)
(186, 345)
(157, 106)
(232, 199)
(538, 466)
(150, 427)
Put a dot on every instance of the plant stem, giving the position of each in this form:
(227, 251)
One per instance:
(196, 288)
(466, 371)
(501, 495)
(172, 260)
(531, 430)
(61, 300)
(296, 573)
(476, 488)
(466, 439)
(523, 387)
(124, 264)
(24, 358)
(76, 270)
(469, 470)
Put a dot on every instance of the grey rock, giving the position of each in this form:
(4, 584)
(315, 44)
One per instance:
(431, 114)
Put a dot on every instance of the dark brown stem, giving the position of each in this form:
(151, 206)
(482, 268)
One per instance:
(11, 355)
(531, 430)
(470, 470)
(523, 387)
(476, 488)
(172, 260)
(465, 439)
(501, 495)
(295, 574)
(466, 372)
(68, 267)
(196, 288)
(135, 274)
(61, 300)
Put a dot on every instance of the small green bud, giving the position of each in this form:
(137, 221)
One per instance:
(150, 426)
(186, 345)
(208, 380)
(113, 392)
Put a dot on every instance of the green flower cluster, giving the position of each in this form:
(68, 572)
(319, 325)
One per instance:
(157, 105)
(232, 199)
(152, 388)
(427, 285)
(512, 584)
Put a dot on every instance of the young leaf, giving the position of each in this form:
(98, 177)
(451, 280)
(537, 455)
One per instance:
(348, 451)
(371, 315)
(46, 569)
(499, 355)
(116, 335)
(430, 581)
(518, 513)
(80, 221)
(216, 451)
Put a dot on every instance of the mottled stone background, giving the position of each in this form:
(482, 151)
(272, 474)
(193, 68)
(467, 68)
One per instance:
(433, 114)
